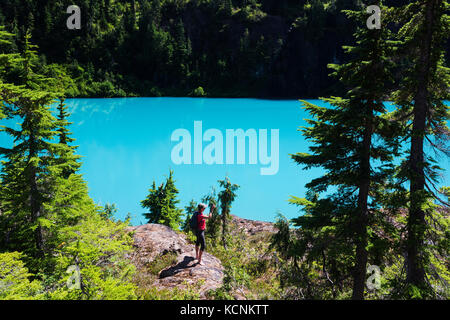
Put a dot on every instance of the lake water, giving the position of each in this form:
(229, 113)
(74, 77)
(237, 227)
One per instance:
(126, 144)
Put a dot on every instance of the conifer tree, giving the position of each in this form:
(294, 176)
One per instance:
(8, 59)
(63, 131)
(181, 50)
(46, 214)
(25, 187)
(423, 89)
(152, 202)
(213, 229)
(170, 212)
(162, 203)
(66, 153)
(347, 138)
(226, 7)
(226, 198)
(109, 211)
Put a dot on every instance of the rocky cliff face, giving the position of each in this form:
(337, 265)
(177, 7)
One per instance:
(155, 242)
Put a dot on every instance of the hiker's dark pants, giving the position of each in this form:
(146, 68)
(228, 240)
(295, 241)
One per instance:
(201, 239)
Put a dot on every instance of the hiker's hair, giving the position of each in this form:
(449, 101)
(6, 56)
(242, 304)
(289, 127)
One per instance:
(201, 205)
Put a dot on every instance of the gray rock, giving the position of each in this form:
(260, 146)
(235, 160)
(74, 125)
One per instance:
(152, 241)
(253, 227)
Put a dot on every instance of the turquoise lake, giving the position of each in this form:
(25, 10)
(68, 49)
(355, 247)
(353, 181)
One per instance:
(126, 144)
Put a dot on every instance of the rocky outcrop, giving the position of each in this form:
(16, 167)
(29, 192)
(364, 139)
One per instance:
(253, 227)
(155, 241)
(165, 258)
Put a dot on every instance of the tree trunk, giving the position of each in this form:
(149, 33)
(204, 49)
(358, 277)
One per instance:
(416, 220)
(224, 227)
(35, 205)
(359, 277)
(35, 213)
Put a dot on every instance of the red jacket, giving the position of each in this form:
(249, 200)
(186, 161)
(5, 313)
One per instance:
(201, 222)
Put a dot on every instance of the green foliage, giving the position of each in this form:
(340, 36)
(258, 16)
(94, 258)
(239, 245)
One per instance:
(213, 223)
(350, 144)
(109, 211)
(249, 270)
(162, 203)
(162, 262)
(226, 198)
(46, 212)
(15, 283)
(357, 213)
(421, 96)
(190, 292)
(99, 248)
(198, 92)
(29, 168)
(336, 238)
(176, 45)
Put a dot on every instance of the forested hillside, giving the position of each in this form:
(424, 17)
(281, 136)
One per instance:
(258, 48)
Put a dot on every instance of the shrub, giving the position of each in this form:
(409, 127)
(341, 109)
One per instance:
(14, 279)
(189, 293)
(99, 249)
(162, 262)
(199, 92)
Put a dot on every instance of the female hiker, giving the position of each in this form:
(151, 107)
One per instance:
(201, 225)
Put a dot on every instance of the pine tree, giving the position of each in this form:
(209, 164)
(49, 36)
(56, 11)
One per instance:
(152, 202)
(162, 203)
(109, 211)
(180, 53)
(9, 59)
(345, 137)
(226, 7)
(25, 187)
(213, 229)
(63, 131)
(29, 78)
(421, 96)
(226, 198)
(67, 159)
(170, 213)
(45, 214)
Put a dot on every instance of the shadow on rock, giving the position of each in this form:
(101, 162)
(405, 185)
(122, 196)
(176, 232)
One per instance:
(185, 264)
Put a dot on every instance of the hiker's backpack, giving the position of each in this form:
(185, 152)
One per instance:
(193, 223)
